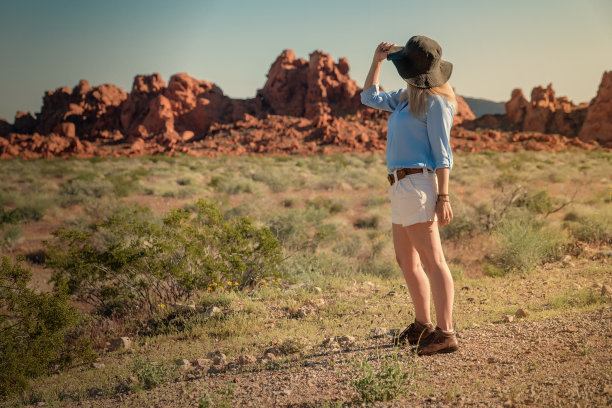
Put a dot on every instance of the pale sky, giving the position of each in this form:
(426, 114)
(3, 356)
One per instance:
(495, 46)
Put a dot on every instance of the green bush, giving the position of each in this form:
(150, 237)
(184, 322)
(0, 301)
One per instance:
(596, 228)
(36, 329)
(524, 243)
(132, 262)
(153, 374)
(385, 384)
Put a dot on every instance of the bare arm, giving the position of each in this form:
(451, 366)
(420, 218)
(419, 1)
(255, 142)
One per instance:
(443, 207)
(379, 56)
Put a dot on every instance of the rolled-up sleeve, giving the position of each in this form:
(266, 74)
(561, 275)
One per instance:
(439, 123)
(376, 99)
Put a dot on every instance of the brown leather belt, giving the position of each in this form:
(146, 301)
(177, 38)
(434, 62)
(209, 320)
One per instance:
(401, 173)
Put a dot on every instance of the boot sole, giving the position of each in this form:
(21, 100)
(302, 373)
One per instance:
(443, 351)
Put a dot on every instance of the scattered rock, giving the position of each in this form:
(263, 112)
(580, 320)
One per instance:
(378, 332)
(521, 313)
(212, 310)
(202, 362)
(346, 341)
(217, 357)
(507, 319)
(246, 359)
(330, 342)
(120, 343)
(183, 363)
(317, 289)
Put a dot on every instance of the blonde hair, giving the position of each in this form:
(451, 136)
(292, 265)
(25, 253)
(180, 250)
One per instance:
(418, 97)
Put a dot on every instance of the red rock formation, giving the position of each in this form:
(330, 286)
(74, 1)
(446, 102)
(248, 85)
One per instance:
(464, 113)
(305, 106)
(90, 109)
(545, 113)
(598, 122)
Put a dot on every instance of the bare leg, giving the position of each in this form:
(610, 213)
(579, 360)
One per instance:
(425, 237)
(410, 263)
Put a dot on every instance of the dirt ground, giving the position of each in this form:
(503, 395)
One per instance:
(563, 361)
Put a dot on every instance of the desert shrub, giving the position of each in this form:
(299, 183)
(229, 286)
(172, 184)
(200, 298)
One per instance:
(459, 228)
(538, 203)
(371, 221)
(293, 227)
(524, 242)
(133, 262)
(153, 374)
(19, 214)
(388, 382)
(83, 187)
(9, 235)
(332, 206)
(36, 329)
(595, 228)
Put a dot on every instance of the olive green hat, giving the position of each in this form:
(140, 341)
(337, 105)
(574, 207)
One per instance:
(420, 62)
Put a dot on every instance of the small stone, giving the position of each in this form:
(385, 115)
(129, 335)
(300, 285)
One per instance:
(378, 332)
(304, 311)
(508, 319)
(246, 359)
(270, 356)
(346, 341)
(132, 379)
(605, 290)
(286, 392)
(521, 313)
(212, 310)
(97, 365)
(566, 258)
(571, 329)
(202, 362)
(368, 283)
(272, 350)
(330, 342)
(120, 343)
(508, 404)
(217, 357)
(183, 363)
(317, 289)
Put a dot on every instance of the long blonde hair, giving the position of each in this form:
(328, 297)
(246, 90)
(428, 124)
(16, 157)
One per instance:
(418, 97)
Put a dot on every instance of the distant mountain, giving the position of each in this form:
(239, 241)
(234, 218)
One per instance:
(483, 106)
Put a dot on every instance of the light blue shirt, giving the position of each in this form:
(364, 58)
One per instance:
(412, 141)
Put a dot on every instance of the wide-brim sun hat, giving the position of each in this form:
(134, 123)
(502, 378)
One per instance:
(420, 62)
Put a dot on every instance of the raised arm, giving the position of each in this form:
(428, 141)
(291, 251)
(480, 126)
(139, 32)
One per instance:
(370, 95)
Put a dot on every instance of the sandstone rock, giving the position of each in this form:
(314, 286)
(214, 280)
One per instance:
(246, 359)
(464, 113)
(521, 313)
(183, 363)
(217, 357)
(5, 128)
(346, 341)
(212, 310)
(378, 332)
(120, 343)
(202, 362)
(598, 122)
(24, 123)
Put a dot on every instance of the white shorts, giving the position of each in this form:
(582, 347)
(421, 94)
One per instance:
(413, 198)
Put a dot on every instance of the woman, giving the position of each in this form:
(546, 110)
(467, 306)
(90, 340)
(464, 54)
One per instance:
(419, 161)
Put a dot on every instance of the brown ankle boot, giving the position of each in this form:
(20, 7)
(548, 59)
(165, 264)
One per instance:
(438, 342)
(416, 332)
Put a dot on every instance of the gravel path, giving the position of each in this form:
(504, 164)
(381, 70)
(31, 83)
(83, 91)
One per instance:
(562, 361)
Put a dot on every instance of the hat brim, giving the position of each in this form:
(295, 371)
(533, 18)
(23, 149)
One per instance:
(437, 76)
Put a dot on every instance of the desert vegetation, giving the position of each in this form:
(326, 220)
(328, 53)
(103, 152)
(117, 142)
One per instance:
(161, 278)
